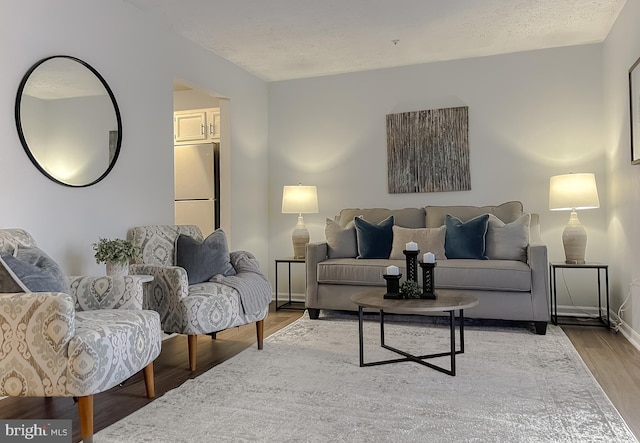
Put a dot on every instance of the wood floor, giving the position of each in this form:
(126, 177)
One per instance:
(614, 362)
(171, 369)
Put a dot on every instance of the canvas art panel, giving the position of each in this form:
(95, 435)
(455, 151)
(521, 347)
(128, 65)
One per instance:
(428, 151)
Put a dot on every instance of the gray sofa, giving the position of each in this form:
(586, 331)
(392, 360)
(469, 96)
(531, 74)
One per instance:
(508, 286)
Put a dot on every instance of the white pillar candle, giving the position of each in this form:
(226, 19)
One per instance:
(411, 246)
(429, 257)
(393, 270)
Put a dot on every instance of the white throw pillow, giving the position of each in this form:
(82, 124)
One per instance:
(428, 239)
(508, 241)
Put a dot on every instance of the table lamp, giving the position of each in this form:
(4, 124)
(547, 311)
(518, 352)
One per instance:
(299, 200)
(572, 192)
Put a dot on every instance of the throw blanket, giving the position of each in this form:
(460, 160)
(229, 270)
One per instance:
(252, 285)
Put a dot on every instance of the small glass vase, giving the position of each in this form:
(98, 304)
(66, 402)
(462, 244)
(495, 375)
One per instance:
(117, 269)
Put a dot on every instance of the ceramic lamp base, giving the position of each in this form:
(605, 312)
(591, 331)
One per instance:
(574, 240)
(300, 238)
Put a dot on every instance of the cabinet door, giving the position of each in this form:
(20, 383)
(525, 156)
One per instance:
(190, 126)
(214, 125)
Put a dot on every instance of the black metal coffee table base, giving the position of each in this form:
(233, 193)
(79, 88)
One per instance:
(416, 358)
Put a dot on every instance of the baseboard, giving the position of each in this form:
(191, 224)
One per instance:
(578, 311)
(285, 297)
(623, 327)
(589, 311)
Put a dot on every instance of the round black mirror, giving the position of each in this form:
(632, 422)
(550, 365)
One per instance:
(68, 121)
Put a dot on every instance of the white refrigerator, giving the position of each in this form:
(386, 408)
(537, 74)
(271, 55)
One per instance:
(197, 186)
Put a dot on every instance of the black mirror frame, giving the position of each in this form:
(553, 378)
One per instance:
(23, 140)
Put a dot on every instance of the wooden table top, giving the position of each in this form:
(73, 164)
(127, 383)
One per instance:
(444, 302)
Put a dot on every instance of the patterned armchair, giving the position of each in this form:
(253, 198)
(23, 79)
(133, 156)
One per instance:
(75, 343)
(202, 308)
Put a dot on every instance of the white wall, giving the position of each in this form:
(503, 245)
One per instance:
(139, 59)
(531, 115)
(621, 50)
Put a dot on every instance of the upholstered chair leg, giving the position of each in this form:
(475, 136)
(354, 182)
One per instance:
(149, 381)
(260, 332)
(193, 351)
(85, 411)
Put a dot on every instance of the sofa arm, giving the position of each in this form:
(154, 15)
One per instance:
(169, 286)
(539, 264)
(37, 324)
(106, 292)
(315, 253)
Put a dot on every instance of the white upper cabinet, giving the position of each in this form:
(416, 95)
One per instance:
(199, 125)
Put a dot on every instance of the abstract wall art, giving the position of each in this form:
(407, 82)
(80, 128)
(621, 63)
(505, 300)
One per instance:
(428, 151)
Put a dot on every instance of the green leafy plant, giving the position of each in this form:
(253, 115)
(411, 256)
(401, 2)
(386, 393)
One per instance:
(118, 250)
(410, 289)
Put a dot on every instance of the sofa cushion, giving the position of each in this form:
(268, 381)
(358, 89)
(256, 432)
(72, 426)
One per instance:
(109, 346)
(507, 212)
(407, 218)
(341, 241)
(490, 275)
(428, 240)
(204, 260)
(466, 239)
(508, 241)
(359, 272)
(374, 240)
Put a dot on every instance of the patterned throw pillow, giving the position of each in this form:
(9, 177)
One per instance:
(374, 241)
(466, 239)
(204, 260)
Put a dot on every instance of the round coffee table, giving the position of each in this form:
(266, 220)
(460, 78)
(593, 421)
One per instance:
(449, 302)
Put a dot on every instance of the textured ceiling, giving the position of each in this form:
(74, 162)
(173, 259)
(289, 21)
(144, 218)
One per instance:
(286, 39)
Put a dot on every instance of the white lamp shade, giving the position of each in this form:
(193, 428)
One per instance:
(573, 192)
(299, 200)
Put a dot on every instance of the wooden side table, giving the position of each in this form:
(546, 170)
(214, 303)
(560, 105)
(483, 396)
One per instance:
(291, 305)
(599, 268)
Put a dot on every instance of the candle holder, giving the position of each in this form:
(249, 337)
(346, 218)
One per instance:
(428, 281)
(393, 286)
(412, 264)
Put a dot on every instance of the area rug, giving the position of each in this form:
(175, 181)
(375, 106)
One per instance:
(306, 386)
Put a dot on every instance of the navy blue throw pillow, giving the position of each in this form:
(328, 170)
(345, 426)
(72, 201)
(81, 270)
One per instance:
(374, 241)
(204, 260)
(466, 240)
